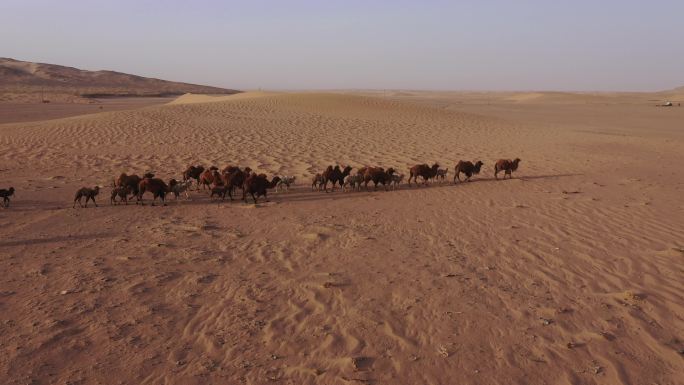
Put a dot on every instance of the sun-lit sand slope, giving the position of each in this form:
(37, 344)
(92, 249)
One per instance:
(570, 273)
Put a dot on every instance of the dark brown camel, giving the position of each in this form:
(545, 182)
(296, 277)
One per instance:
(334, 175)
(258, 185)
(131, 182)
(377, 175)
(193, 172)
(424, 171)
(468, 168)
(6, 194)
(234, 180)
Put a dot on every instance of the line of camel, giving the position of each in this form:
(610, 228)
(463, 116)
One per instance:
(225, 182)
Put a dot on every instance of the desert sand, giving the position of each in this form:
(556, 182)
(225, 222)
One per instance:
(32, 112)
(572, 272)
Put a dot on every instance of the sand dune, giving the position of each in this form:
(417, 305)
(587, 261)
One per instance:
(569, 273)
(201, 98)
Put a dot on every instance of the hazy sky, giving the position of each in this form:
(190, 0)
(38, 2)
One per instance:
(297, 44)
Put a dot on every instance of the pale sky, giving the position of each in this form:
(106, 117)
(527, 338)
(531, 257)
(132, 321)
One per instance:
(580, 45)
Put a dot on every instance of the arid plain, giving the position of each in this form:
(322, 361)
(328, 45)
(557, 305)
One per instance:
(572, 272)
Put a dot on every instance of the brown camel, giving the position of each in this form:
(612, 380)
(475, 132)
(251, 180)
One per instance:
(424, 171)
(506, 165)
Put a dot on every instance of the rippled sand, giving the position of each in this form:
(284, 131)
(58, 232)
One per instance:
(571, 272)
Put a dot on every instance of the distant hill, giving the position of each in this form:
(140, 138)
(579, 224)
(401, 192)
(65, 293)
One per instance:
(678, 90)
(27, 81)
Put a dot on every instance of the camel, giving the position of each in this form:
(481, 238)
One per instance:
(396, 180)
(424, 171)
(285, 183)
(209, 177)
(506, 165)
(235, 180)
(88, 193)
(317, 182)
(6, 194)
(352, 182)
(334, 175)
(468, 168)
(193, 172)
(131, 182)
(378, 175)
(154, 185)
(121, 192)
(177, 188)
(257, 185)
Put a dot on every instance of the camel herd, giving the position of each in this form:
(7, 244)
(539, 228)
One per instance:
(219, 183)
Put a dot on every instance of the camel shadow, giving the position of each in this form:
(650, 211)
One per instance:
(305, 194)
(59, 238)
(302, 194)
(296, 194)
(522, 178)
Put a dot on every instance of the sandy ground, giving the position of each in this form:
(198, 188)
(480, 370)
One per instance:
(570, 273)
(31, 112)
